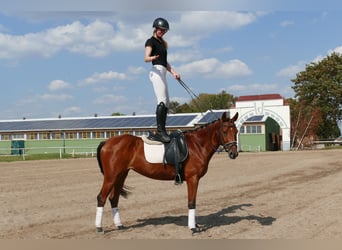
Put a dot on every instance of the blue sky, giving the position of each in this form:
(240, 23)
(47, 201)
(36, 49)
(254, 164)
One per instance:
(81, 58)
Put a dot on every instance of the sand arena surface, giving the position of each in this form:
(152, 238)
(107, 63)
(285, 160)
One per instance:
(272, 195)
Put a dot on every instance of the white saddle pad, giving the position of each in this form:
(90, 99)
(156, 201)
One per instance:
(153, 150)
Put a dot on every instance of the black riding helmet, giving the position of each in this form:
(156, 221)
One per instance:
(161, 23)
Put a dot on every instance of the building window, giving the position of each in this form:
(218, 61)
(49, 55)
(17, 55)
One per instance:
(107, 134)
(251, 129)
(4, 137)
(18, 136)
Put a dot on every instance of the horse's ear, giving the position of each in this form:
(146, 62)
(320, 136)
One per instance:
(224, 116)
(235, 116)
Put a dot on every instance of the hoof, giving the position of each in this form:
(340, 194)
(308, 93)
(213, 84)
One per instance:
(197, 230)
(122, 227)
(99, 230)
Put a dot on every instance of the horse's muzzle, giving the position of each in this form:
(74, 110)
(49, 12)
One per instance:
(231, 149)
(233, 155)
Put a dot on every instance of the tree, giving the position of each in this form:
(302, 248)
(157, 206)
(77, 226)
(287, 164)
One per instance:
(305, 120)
(204, 102)
(117, 114)
(319, 88)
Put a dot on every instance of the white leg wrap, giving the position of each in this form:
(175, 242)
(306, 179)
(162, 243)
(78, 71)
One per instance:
(116, 216)
(99, 215)
(192, 218)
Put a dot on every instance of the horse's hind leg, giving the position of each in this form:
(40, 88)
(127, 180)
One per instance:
(101, 201)
(114, 200)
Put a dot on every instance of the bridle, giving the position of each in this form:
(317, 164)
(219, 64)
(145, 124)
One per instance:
(227, 146)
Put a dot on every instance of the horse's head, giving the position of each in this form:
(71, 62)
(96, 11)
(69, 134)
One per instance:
(228, 134)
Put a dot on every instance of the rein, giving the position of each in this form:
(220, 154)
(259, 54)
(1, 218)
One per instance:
(226, 146)
(193, 97)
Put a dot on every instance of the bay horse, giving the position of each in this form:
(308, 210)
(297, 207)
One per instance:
(117, 155)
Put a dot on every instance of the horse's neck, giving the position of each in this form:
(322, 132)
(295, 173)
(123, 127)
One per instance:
(209, 135)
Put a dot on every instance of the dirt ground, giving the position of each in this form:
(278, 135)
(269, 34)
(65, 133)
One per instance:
(272, 195)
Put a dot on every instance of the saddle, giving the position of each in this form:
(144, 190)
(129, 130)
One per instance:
(175, 152)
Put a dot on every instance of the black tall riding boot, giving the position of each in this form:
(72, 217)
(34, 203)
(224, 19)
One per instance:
(161, 114)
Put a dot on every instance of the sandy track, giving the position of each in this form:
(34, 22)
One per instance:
(273, 195)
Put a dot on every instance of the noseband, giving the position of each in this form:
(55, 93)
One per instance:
(227, 146)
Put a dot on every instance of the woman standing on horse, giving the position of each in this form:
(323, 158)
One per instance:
(156, 52)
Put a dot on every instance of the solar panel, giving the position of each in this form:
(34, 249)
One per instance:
(256, 118)
(181, 120)
(211, 116)
(175, 120)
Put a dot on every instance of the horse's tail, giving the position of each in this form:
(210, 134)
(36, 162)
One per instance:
(98, 155)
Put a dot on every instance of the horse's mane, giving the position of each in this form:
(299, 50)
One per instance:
(200, 127)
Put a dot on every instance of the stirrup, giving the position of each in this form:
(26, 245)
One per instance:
(178, 179)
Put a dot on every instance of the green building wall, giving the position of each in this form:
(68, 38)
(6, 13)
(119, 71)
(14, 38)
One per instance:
(252, 142)
(269, 141)
(72, 146)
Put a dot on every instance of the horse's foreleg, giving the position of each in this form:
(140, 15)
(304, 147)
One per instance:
(192, 185)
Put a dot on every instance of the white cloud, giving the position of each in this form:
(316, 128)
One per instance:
(100, 38)
(58, 98)
(233, 68)
(104, 77)
(213, 68)
(337, 50)
(237, 88)
(202, 21)
(109, 99)
(38, 99)
(252, 88)
(286, 23)
(204, 66)
(196, 25)
(58, 85)
(321, 57)
(184, 56)
(136, 70)
(96, 39)
(72, 110)
(291, 70)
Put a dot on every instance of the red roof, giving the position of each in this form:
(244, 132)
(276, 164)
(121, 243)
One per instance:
(258, 97)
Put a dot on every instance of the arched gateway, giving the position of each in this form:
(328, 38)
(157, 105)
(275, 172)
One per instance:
(254, 107)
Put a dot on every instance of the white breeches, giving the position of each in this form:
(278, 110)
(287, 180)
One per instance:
(159, 82)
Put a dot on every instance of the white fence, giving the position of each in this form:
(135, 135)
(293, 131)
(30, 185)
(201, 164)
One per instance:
(61, 151)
